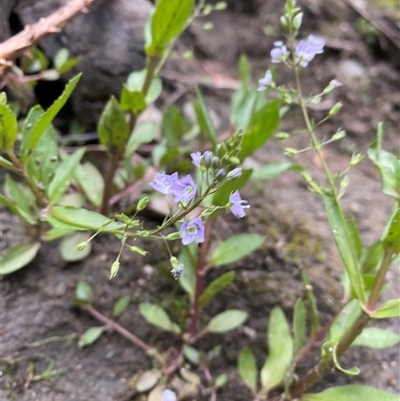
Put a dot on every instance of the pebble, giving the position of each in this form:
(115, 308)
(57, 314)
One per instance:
(350, 69)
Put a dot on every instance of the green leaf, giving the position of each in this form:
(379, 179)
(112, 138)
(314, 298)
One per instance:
(143, 133)
(158, 317)
(18, 193)
(344, 321)
(17, 257)
(191, 354)
(173, 126)
(61, 57)
(32, 136)
(235, 248)
(168, 21)
(90, 336)
(220, 380)
(247, 367)
(34, 115)
(391, 234)
(91, 182)
(63, 176)
(63, 63)
(76, 218)
(329, 350)
(135, 83)
(280, 348)
(272, 170)
(27, 218)
(226, 321)
(204, 119)
(68, 245)
(8, 128)
(343, 238)
(113, 128)
(188, 256)
(299, 326)
(374, 337)
(43, 160)
(221, 196)
(262, 125)
(387, 164)
(55, 233)
(121, 305)
(215, 287)
(388, 309)
(132, 101)
(244, 70)
(351, 393)
(372, 257)
(83, 293)
(6, 164)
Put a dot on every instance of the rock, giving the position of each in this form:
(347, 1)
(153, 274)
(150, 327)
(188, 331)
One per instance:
(109, 38)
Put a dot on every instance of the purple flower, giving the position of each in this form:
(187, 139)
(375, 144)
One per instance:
(265, 82)
(307, 49)
(163, 182)
(238, 205)
(177, 267)
(168, 395)
(236, 172)
(279, 53)
(221, 173)
(197, 157)
(192, 231)
(184, 190)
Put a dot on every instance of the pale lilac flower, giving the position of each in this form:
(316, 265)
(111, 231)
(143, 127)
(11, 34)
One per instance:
(192, 231)
(279, 53)
(263, 83)
(163, 182)
(168, 395)
(177, 267)
(238, 205)
(307, 49)
(184, 190)
(221, 173)
(197, 157)
(236, 172)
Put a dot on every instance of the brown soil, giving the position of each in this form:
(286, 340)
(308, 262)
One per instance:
(36, 301)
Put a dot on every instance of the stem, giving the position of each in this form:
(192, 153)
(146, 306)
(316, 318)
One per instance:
(39, 196)
(108, 182)
(200, 273)
(117, 157)
(318, 371)
(151, 73)
(124, 333)
(318, 336)
(379, 280)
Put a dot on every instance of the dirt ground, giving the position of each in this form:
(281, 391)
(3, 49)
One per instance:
(36, 301)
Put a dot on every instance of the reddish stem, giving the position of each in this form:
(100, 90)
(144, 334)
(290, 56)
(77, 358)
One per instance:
(124, 333)
(200, 273)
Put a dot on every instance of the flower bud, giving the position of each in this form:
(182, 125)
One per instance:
(297, 21)
(143, 202)
(290, 151)
(136, 249)
(282, 135)
(81, 246)
(114, 269)
(356, 159)
(335, 109)
(340, 134)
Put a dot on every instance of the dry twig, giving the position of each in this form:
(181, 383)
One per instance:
(18, 44)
